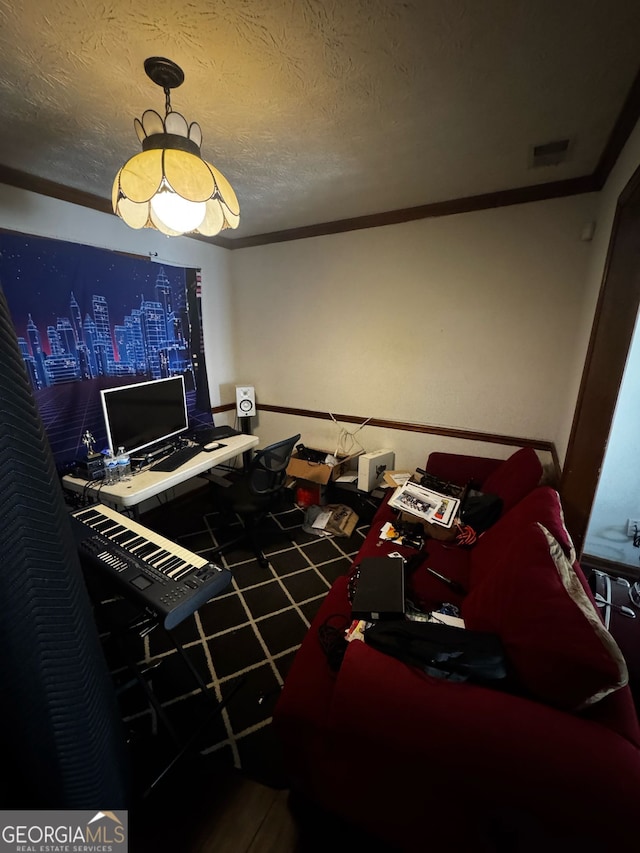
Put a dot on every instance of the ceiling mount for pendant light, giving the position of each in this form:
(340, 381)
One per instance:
(168, 185)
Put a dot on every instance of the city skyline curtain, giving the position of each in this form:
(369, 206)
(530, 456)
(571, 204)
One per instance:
(87, 319)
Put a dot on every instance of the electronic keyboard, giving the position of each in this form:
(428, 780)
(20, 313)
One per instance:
(163, 576)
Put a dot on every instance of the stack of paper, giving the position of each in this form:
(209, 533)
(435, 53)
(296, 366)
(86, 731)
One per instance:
(425, 504)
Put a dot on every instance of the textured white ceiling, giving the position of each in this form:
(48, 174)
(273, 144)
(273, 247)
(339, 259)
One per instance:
(318, 110)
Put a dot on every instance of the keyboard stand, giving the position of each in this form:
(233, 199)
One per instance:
(143, 625)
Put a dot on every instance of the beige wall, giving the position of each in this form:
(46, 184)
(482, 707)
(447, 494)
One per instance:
(465, 321)
(476, 321)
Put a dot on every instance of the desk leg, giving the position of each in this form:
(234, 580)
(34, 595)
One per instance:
(245, 425)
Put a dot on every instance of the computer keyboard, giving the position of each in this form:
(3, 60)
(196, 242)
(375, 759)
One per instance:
(205, 435)
(176, 459)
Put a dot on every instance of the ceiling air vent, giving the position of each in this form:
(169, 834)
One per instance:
(550, 153)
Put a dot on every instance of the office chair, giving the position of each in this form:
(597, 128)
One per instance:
(254, 495)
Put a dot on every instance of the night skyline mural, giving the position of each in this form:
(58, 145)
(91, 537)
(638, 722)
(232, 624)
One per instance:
(87, 319)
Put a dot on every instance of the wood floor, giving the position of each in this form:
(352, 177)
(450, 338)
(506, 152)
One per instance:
(232, 814)
(241, 817)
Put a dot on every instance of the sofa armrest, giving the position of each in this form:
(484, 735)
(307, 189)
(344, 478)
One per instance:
(481, 748)
(460, 469)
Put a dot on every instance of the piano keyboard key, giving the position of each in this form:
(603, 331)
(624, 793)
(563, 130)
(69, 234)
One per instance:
(162, 554)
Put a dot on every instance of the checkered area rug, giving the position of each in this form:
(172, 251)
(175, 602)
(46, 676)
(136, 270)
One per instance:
(241, 643)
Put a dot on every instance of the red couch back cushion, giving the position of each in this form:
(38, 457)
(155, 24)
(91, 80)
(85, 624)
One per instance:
(460, 469)
(515, 478)
(493, 547)
(553, 635)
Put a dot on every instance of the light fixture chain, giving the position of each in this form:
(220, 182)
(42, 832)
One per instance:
(167, 101)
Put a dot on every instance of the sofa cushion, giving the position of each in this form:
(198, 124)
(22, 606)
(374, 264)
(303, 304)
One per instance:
(515, 478)
(552, 633)
(425, 590)
(461, 469)
(493, 547)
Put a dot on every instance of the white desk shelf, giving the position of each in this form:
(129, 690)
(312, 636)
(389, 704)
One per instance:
(147, 484)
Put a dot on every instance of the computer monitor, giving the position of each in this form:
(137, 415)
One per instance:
(140, 415)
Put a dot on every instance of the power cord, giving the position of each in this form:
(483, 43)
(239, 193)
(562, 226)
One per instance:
(347, 441)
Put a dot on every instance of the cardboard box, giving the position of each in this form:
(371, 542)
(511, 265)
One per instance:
(334, 519)
(319, 472)
(340, 520)
(396, 478)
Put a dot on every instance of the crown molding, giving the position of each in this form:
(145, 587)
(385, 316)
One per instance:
(593, 182)
(503, 198)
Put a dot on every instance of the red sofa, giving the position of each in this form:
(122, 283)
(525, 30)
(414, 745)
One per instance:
(416, 760)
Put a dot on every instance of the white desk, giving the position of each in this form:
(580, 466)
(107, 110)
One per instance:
(146, 483)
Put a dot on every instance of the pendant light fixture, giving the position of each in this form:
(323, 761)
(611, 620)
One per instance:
(168, 185)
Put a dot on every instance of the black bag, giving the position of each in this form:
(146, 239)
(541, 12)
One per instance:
(480, 511)
(444, 651)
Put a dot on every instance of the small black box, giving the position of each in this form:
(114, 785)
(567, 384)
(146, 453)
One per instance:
(380, 590)
(90, 468)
